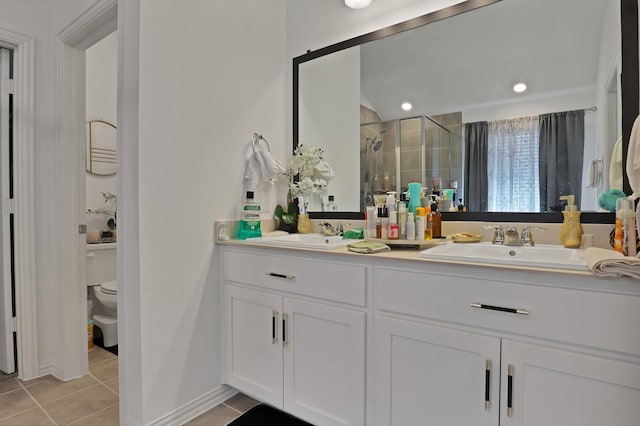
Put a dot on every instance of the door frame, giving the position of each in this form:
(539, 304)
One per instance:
(100, 20)
(24, 198)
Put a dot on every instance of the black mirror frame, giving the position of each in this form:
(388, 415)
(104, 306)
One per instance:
(630, 103)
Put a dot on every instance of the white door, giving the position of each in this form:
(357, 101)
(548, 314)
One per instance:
(254, 358)
(7, 321)
(429, 375)
(324, 363)
(552, 387)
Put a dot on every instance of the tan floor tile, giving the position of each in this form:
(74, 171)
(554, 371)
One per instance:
(98, 354)
(51, 388)
(219, 415)
(15, 402)
(105, 370)
(241, 402)
(108, 417)
(113, 384)
(8, 385)
(33, 417)
(26, 383)
(80, 405)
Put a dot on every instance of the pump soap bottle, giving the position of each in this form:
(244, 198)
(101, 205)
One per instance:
(571, 230)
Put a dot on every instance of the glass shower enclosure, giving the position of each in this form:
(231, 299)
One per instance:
(397, 152)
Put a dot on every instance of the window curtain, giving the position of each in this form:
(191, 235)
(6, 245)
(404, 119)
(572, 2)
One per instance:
(475, 176)
(561, 155)
(513, 165)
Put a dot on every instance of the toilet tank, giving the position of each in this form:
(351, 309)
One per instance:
(101, 263)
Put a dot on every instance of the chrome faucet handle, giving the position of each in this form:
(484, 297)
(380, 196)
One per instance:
(498, 233)
(326, 229)
(526, 238)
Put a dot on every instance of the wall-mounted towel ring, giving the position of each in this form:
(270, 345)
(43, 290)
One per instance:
(256, 139)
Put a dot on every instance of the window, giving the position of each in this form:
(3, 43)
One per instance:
(513, 165)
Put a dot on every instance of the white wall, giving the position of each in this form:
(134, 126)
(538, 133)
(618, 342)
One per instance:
(211, 73)
(101, 80)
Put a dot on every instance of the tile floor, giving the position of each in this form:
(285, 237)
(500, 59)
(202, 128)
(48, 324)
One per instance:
(91, 400)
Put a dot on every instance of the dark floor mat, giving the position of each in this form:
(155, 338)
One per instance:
(266, 415)
(98, 342)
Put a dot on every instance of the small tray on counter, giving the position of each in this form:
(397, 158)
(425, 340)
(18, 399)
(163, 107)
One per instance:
(422, 244)
(465, 237)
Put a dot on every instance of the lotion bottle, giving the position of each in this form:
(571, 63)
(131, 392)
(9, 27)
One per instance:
(411, 227)
(571, 230)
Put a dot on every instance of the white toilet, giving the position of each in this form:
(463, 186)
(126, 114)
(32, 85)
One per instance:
(101, 276)
(107, 295)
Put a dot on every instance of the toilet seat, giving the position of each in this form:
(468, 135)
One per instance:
(109, 287)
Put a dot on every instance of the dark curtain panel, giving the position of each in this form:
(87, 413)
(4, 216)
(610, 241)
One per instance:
(476, 183)
(561, 152)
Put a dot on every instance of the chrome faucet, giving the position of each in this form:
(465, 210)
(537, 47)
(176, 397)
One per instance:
(511, 237)
(498, 233)
(327, 229)
(526, 238)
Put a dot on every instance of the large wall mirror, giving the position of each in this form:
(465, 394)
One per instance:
(101, 153)
(457, 66)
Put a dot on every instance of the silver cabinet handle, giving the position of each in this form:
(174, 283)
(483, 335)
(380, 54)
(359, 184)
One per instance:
(500, 308)
(285, 342)
(283, 276)
(487, 385)
(510, 390)
(274, 321)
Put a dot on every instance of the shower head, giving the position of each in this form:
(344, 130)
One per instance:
(376, 142)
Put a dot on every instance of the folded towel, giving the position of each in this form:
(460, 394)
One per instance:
(368, 247)
(609, 263)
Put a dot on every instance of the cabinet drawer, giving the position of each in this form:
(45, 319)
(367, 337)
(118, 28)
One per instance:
(323, 279)
(596, 319)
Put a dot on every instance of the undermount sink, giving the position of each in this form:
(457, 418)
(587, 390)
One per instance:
(316, 241)
(542, 255)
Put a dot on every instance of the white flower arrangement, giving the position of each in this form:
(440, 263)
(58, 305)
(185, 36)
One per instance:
(312, 170)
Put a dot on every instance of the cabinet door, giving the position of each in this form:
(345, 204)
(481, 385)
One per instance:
(430, 375)
(554, 387)
(324, 362)
(254, 347)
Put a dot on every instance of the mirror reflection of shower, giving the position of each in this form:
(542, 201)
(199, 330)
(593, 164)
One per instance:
(376, 142)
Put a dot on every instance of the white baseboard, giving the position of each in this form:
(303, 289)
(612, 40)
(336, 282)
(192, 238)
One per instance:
(196, 407)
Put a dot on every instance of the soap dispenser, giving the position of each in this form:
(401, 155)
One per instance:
(571, 231)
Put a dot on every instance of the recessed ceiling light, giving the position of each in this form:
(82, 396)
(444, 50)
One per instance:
(357, 4)
(406, 106)
(519, 87)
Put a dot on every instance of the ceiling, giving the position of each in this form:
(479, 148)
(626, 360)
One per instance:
(473, 59)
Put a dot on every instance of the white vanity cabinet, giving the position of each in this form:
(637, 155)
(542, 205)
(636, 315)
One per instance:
(295, 333)
(458, 345)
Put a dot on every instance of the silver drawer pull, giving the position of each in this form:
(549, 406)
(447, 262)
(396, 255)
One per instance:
(500, 308)
(284, 276)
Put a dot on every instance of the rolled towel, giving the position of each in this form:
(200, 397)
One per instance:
(609, 263)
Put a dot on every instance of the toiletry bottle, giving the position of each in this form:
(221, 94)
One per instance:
(436, 219)
(625, 231)
(411, 227)
(428, 224)
(394, 230)
(249, 225)
(415, 189)
(391, 201)
(571, 230)
(402, 215)
(385, 223)
(371, 221)
(379, 223)
(331, 204)
(420, 223)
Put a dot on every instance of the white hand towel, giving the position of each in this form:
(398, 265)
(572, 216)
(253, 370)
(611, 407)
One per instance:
(609, 263)
(633, 159)
(260, 166)
(615, 166)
